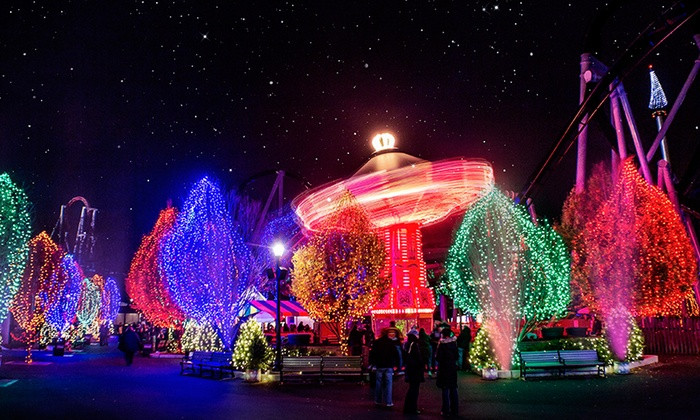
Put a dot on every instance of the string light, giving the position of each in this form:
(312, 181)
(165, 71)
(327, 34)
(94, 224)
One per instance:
(204, 261)
(337, 273)
(15, 228)
(640, 259)
(508, 269)
(111, 298)
(37, 292)
(200, 337)
(89, 305)
(145, 283)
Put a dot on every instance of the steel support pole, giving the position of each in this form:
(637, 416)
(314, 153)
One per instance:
(643, 163)
(617, 123)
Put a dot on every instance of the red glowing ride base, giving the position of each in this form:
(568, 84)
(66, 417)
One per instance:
(409, 300)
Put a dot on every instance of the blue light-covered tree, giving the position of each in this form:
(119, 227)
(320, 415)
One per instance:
(110, 301)
(15, 232)
(62, 313)
(204, 261)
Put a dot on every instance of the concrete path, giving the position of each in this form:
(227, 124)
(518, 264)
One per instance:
(96, 384)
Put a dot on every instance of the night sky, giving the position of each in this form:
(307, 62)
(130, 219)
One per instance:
(127, 103)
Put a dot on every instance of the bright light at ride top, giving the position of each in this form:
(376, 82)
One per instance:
(383, 141)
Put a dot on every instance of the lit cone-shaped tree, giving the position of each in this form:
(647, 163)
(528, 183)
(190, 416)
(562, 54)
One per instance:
(15, 234)
(37, 292)
(146, 284)
(578, 210)
(511, 271)
(204, 261)
(251, 350)
(337, 273)
(62, 313)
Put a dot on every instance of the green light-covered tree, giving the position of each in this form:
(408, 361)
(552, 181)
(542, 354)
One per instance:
(15, 232)
(508, 269)
(251, 351)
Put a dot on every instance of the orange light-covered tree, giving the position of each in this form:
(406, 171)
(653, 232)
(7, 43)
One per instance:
(336, 274)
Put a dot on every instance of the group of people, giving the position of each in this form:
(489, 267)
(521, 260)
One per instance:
(440, 353)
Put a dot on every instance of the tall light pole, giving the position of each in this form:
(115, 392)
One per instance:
(278, 251)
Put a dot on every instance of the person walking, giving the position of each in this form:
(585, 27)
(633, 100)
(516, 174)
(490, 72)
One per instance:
(463, 342)
(129, 343)
(384, 358)
(447, 372)
(415, 365)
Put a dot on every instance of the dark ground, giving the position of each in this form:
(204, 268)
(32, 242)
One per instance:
(96, 384)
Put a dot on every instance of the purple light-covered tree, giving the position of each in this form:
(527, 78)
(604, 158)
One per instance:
(110, 301)
(204, 261)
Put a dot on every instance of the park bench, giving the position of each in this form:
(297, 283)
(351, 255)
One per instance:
(220, 362)
(342, 367)
(581, 360)
(193, 361)
(539, 361)
(302, 368)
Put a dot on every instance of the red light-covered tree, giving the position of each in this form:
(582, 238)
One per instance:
(145, 284)
(640, 260)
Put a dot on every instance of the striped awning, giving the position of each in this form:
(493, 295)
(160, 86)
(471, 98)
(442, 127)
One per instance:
(287, 308)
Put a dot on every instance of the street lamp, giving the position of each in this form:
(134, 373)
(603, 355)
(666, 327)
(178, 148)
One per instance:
(278, 251)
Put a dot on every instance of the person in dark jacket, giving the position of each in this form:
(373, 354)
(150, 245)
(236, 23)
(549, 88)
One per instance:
(447, 372)
(425, 348)
(129, 343)
(355, 341)
(415, 365)
(384, 358)
(463, 342)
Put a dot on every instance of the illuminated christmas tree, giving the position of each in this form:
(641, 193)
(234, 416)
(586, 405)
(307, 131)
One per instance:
(146, 284)
(251, 350)
(62, 313)
(204, 261)
(15, 233)
(337, 273)
(200, 337)
(37, 291)
(511, 271)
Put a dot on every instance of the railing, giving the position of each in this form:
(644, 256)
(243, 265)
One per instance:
(671, 335)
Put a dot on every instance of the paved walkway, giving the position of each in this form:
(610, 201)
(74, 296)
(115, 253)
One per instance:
(96, 384)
